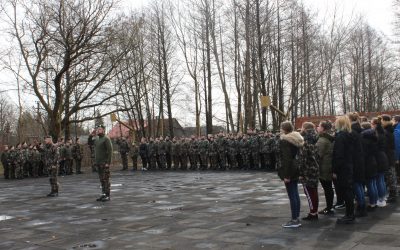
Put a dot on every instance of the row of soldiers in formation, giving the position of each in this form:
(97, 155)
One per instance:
(24, 160)
(223, 151)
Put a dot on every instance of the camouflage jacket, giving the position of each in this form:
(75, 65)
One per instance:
(123, 146)
(175, 149)
(309, 167)
(51, 155)
(203, 146)
(133, 151)
(193, 147)
(77, 151)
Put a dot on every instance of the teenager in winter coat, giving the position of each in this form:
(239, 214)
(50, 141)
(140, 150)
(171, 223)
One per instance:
(325, 148)
(309, 169)
(390, 175)
(396, 124)
(382, 160)
(370, 146)
(289, 145)
(359, 165)
(342, 166)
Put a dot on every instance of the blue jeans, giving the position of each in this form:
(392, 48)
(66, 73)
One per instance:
(359, 193)
(381, 185)
(372, 191)
(294, 198)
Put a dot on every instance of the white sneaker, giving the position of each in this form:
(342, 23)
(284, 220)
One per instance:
(381, 203)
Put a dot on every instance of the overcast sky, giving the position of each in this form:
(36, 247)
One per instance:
(378, 13)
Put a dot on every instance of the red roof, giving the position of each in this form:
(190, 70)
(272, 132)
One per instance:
(118, 129)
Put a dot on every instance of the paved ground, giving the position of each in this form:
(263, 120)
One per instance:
(176, 210)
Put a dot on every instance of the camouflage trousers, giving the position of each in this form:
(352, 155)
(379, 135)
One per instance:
(104, 176)
(168, 159)
(203, 161)
(152, 162)
(193, 158)
(232, 160)
(94, 168)
(176, 161)
(134, 162)
(391, 181)
(222, 160)
(184, 161)
(19, 171)
(35, 169)
(53, 172)
(6, 171)
(214, 161)
(124, 158)
(255, 164)
(245, 160)
(161, 161)
(78, 163)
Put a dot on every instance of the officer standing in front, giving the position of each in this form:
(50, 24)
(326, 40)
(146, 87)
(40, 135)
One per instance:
(103, 153)
(51, 160)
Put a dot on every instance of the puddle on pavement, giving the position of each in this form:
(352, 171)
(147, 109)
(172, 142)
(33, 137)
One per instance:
(38, 223)
(6, 217)
(132, 218)
(206, 245)
(82, 222)
(155, 231)
(173, 207)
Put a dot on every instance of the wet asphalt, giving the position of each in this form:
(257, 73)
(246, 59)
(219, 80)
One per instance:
(177, 210)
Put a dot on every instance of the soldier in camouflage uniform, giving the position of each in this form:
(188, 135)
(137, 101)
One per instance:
(143, 152)
(184, 153)
(232, 152)
(254, 145)
(134, 154)
(19, 160)
(245, 152)
(12, 162)
(221, 150)
(36, 158)
(175, 152)
(275, 160)
(152, 154)
(24, 155)
(123, 150)
(203, 153)
(193, 153)
(68, 159)
(77, 155)
(51, 157)
(5, 162)
(162, 151)
(103, 155)
(168, 156)
(213, 149)
(91, 148)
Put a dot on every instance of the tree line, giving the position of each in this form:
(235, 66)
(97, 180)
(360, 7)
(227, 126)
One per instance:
(209, 59)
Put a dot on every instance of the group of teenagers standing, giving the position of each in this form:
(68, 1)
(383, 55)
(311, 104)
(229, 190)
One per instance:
(347, 157)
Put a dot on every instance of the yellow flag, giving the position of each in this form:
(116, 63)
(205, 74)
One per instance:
(265, 101)
(113, 118)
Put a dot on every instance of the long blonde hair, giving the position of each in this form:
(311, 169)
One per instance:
(343, 123)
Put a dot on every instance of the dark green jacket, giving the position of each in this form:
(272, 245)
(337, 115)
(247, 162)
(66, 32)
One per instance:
(103, 150)
(325, 150)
